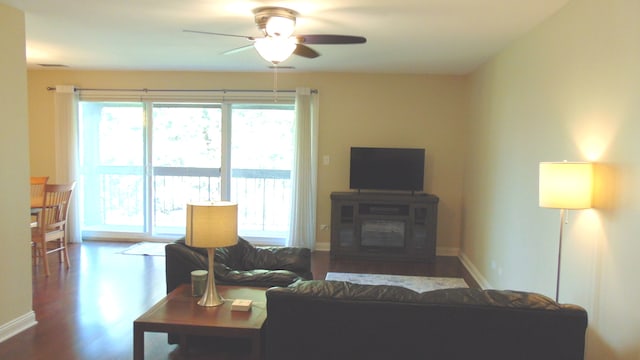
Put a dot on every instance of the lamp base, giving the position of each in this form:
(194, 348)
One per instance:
(211, 297)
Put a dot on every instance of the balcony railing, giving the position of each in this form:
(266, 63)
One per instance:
(114, 200)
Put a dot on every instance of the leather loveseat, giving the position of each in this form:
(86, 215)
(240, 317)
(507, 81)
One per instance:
(240, 264)
(319, 320)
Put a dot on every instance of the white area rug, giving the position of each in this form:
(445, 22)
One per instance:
(415, 283)
(146, 248)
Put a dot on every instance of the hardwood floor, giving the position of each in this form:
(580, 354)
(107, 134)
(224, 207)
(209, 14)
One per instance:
(87, 312)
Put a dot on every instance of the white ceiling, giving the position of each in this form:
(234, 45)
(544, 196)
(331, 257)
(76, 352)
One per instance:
(404, 36)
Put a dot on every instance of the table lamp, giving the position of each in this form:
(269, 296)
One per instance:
(564, 186)
(211, 225)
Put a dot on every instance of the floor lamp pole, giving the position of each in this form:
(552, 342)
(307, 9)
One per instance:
(563, 217)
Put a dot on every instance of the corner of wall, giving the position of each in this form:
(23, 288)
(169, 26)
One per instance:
(475, 273)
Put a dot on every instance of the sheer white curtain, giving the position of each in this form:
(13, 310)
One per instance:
(304, 174)
(66, 151)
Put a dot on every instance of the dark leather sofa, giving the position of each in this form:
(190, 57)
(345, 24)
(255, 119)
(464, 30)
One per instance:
(240, 264)
(342, 321)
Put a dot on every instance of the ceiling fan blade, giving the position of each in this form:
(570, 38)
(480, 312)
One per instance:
(330, 39)
(219, 34)
(236, 50)
(305, 51)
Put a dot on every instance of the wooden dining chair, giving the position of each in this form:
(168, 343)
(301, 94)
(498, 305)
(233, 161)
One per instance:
(37, 186)
(50, 234)
(37, 192)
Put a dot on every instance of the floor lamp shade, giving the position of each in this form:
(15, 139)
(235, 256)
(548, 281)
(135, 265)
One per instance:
(212, 224)
(566, 185)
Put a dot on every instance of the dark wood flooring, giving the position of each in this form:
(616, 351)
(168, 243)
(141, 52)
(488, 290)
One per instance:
(87, 312)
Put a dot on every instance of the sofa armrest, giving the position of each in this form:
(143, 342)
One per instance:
(180, 261)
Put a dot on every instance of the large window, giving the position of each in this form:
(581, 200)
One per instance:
(141, 162)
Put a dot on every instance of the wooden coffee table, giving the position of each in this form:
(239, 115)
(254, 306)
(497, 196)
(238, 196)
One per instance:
(179, 313)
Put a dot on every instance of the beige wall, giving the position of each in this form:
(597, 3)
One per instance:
(570, 90)
(15, 257)
(355, 109)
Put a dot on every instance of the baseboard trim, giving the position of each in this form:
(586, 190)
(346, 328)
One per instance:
(17, 325)
(447, 251)
(473, 270)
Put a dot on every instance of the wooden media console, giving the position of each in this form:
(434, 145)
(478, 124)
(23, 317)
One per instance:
(384, 226)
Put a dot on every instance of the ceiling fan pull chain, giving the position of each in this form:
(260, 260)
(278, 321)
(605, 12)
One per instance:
(275, 83)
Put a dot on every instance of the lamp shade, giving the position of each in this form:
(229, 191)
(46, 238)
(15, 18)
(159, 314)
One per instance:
(275, 49)
(212, 224)
(566, 185)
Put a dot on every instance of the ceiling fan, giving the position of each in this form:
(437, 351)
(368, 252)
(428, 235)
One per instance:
(278, 42)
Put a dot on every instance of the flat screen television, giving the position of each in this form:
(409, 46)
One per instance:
(399, 169)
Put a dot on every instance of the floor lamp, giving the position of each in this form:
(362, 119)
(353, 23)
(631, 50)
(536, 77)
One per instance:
(564, 186)
(211, 225)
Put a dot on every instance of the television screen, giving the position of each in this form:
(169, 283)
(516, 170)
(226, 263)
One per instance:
(386, 169)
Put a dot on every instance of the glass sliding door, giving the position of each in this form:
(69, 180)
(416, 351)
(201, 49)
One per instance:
(112, 153)
(186, 160)
(142, 162)
(261, 161)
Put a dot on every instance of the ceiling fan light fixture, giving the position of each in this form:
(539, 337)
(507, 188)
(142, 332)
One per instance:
(278, 26)
(275, 49)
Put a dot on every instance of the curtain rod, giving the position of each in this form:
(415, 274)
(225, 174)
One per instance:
(314, 91)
